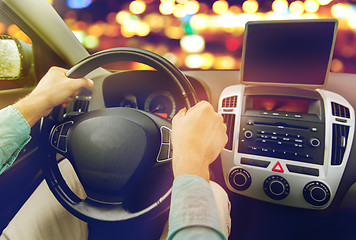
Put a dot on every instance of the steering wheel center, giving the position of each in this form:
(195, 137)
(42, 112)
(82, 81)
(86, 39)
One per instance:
(111, 157)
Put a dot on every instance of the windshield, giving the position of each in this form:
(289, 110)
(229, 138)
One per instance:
(198, 34)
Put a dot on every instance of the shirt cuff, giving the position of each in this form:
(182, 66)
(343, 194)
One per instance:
(192, 205)
(15, 134)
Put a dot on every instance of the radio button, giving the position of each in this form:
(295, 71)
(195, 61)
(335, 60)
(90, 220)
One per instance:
(248, 134)
(314, 129)
(314, 142)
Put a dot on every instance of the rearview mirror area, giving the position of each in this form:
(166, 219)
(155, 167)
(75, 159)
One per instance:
(16, 62)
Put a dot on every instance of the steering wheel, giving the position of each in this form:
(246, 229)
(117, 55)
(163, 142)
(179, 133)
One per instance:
(111, 149)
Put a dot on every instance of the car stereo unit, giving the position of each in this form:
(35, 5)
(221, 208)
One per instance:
(288, 143)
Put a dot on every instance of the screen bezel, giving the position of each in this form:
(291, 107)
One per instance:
(312, 86)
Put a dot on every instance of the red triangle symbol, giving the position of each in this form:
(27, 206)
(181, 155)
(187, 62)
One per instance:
(278, 168)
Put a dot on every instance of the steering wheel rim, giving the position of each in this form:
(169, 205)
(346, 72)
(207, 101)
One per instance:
(89, 209)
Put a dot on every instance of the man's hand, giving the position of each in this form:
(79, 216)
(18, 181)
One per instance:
(198, 136)
(53, 89)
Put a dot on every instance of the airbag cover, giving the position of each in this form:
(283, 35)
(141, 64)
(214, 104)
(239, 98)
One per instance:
(111, 146)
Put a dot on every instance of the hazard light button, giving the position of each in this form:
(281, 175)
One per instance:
(278, 168)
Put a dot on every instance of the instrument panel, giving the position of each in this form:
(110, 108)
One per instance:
(149, 91)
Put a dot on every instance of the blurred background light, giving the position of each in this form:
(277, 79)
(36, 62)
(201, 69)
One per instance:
(195, 33)
(220, 7)
(91, 42)
(311, 6)
(78, 4)
(179, 11)
(280, 6)
(194, 61)
(199, 21)
(296, 8)
(191, 7)
(250, 6)
(166, 7)
(137, 7)
(192, 43)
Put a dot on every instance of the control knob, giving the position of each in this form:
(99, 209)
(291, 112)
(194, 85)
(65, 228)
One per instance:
(314, 142)
(248, 134)
(240, 179)
(316, 193)
(276, 187)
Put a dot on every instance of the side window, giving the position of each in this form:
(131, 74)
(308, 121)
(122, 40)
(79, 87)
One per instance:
(16, 57)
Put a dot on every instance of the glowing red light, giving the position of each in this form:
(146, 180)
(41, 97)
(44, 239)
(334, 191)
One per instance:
(232, 44)
(165, 115)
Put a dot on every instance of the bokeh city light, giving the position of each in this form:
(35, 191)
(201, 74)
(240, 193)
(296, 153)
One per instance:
(195, 34)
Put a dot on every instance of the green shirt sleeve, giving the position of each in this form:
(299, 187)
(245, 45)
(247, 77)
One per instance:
(193, 213)
(14, 135)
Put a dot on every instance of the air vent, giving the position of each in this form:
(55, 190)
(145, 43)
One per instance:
(340, 110)
(230, 102)
(229, 120)
(81, 105)
(340, 135)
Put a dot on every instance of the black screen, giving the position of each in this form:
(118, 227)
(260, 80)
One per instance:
(288, 52)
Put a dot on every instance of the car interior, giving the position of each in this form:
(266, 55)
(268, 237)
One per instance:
(289, 166)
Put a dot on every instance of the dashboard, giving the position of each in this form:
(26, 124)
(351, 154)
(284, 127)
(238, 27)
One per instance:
(150, 91)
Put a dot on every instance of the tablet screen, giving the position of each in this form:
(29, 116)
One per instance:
(288, 52)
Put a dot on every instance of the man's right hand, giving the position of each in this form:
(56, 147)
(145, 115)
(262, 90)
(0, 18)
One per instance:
(198, 136)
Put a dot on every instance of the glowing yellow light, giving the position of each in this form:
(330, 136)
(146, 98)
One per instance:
(181, 1)
(194, 61)
(336, 65)
(191, 7)
(143, 29)
(296, 7)
(96, 30)
(339, 10)
(324, 2)
(235, 9)
(310, 16)
(280, 6)
(122, 16)
(127, 34)
(174, 32)
(166, 7)
(192, 43)
(311, 6)
(137, 7)
(50, 2)
(155, 21)
(208, 60)
(179, 11)
(220, 7)
(80, 35)
(226, 62)
(227, 20)
(250, 6)
(352, 22)
(91, 42)
(199, 21)
(112, 30)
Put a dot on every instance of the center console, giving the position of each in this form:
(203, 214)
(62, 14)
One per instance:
(286, 145)
(288, 140)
